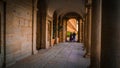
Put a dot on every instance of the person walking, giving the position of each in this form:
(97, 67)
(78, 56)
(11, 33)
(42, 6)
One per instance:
(74, 36)
(71, 37)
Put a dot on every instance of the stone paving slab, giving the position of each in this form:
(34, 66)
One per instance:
(63, 55)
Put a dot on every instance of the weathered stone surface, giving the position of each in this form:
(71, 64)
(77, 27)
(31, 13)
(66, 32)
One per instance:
(18, 29)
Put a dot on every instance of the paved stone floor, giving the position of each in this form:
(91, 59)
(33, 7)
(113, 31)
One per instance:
(63, 55)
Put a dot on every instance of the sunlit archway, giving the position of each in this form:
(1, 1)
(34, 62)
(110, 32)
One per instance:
(72, 30)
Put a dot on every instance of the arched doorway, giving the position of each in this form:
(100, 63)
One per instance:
(41, 19)
(72, 30)
(74, 21)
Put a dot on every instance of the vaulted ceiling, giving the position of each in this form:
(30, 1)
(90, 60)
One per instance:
(63, 7)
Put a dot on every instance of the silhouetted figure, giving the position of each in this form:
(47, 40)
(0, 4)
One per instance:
(74, 36)
(71, 37)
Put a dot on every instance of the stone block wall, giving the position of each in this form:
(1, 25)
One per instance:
(18, 30)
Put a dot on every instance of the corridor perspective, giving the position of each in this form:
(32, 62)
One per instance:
(59, 34)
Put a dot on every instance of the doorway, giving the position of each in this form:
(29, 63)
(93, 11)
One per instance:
(41, 20)
(72, 30)
(39, 32)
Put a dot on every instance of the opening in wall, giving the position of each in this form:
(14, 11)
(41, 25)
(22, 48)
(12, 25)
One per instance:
(72, 30)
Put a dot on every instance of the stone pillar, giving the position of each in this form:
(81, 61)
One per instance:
(88, 48)
(34, 26)
(64, 29)
(96, 34)
(110, 38)
(78, 30)
(83, 28)
(81, 24)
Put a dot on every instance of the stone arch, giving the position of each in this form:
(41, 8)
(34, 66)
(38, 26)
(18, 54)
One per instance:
(72, 15)
(79, 18)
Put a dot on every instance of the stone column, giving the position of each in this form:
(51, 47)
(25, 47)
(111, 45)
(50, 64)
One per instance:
(88, 48)
(96, 34)
(34, 27)
(81, 24)
(110, 37)
(64, 29)
(78, 30)
(83, 31)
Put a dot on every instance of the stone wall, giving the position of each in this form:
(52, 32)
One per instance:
(18, 30)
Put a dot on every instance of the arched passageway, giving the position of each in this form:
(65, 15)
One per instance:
(72, 30)
(32, 25)
(79, 23)
(33, 29)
